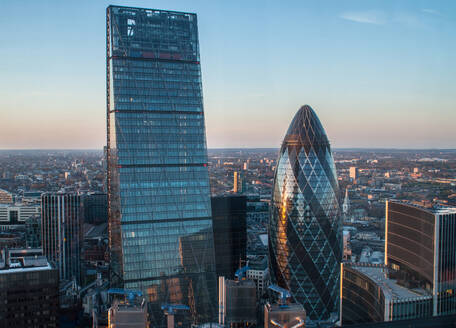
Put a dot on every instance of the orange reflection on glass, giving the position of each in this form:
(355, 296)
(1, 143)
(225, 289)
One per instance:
(283, 251)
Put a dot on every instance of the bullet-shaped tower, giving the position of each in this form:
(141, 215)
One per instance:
(304, 228)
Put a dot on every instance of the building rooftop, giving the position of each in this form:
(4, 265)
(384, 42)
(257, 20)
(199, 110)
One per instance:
(291, 307)
(23, 260)
(259, 262)
(433, 210)
(391, 290)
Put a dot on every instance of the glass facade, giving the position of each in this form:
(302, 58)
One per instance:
(230, 232)
(61, 232)
(421, 251)
(362, 299)
(29, 296)
(95, 208)
(446, 272)
(304, 230)
(368, 295)
(160, 225)
(410, 244)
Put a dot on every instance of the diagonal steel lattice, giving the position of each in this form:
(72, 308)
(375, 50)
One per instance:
(304, 228)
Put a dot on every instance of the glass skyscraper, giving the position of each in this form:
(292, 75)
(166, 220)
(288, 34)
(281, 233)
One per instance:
(304, 227)
(160, 226)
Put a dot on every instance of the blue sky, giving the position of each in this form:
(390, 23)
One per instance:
(378, 73)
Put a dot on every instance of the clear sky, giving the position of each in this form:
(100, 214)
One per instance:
(378, 73)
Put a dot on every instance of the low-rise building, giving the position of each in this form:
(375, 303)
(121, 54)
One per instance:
(259, 272)
(370, 295)
(13, 215)
(29, 289)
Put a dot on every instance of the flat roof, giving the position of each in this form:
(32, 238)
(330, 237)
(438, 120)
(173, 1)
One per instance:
(152, 9)
(433, 210)
(390, 288)
(29, 269)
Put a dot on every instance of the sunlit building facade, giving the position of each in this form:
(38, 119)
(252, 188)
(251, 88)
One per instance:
(304, 231)
(420, 250)
(160, 226)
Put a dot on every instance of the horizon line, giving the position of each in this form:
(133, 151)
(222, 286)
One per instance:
(228, 148)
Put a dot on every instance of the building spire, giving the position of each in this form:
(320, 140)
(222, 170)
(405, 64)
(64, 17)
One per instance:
(346, 204)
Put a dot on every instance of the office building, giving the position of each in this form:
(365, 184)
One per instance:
(61, 232)
(31, 197)
(33, 232)
(353, 171)
(258, 272)
(237, 303)
(236, 180)
(160, 226)
(230, 232)
(347, 252)
(29, 289)
(15, 215)
(370, 295)
(5, 197)
(305, 246)
(421, 252)
(257, 209)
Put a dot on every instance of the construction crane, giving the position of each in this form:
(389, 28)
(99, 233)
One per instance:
(241, 273)
(284, 321)
(283, 294)
(130, 295)
(170, 311)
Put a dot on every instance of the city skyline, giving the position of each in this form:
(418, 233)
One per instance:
(371, 70)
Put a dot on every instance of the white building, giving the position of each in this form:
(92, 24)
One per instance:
(259, 272)
(16, 214)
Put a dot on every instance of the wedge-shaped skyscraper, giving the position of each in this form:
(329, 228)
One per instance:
(160, 225)
(304, 229)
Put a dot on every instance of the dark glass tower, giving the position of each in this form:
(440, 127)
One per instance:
(61, 232)
(230, 232)
(304, 227)
(160, 224)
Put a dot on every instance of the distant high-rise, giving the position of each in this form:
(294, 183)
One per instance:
(353, 173)
(304, 232)
(160, 226)
(236, 178)
(61, 232)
